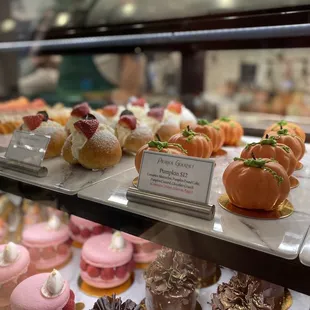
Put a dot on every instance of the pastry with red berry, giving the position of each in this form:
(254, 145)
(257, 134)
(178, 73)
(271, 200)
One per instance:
(41, 124)
(131, 135)
(112, 113)
(138, 106)
(92, 145)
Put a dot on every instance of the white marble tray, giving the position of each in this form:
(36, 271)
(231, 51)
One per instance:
(68, 179)
(282, 238)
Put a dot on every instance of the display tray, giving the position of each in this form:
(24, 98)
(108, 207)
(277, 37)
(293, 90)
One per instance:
(304, 255)
(281, 237)
(68, 179)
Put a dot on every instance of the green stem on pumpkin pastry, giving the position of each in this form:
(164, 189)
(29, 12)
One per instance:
(225, 119)
(282, 122)
(203, 122)
(162, 145)
(267, 141)
(189, 134)
(282, 131)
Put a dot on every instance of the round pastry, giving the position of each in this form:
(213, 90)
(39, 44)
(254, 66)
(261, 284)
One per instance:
(81, 229)
(264, 183)
(138, 106)
(14, 268)
(48, 243)
(291, 127)
(48, 291)
(91, 145)
(112, 113)
(106, 260)
(158, 146)
(79, 112)
(293, 141)
(144, 250)
(269, 148)
(213, 132)
(114, 303)
(171, 282)
(233, 131)
(131, 135)
(41, 124)
(196, 144)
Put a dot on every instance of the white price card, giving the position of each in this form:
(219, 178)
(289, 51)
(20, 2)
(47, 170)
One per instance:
(181, 177)
(27, 147)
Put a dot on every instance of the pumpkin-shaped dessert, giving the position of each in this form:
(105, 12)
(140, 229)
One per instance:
(233, 131)
(291, 127)
(158, 146)
(196, 144)
(269, 148)
(213, 132)
(260, 184)
(293, 141)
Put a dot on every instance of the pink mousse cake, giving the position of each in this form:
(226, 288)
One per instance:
(144, 250)
(82, 229)
(48, 291)
(49, 243)
(106, 260)
(14, 265)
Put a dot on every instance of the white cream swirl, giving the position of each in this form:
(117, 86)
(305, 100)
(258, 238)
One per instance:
(122, 133)
(9, 254)
(54, 222)
(77, 143)
(118, 243)
(54, 285)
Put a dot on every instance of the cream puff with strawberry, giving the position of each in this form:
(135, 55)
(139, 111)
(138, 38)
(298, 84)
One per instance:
(41, 124)
(130, 134)
(112, 113)
(92, 145)
(80, 111)
(138, 106)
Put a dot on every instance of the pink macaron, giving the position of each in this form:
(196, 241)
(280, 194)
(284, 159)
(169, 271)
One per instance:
(144, 250)
(82, 229)
(41, 291)
(106, 260)
(14, 268)
(49, 244)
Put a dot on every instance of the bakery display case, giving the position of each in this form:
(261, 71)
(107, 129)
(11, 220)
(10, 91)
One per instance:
(154, 155)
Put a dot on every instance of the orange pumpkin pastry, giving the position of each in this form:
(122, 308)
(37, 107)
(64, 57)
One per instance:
(293, 141)
(291, 127)
(213, 132)
(256, 183)
(158, 146)
(269, 148)
(196, 144)
(131, 135)
(41, 124)
(233, 131)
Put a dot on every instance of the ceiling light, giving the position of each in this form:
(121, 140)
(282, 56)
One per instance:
(62, 19)
(8, 25)
(128, 9)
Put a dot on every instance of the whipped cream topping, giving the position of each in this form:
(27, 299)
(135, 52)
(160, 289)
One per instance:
(152, 123)
(118, 243)
(138, 112)
(70, 123)
(188, 115)
(9, 255)
(172, 117)
(54, 223)
(122, 133)
(77, 143)
(101, 119)
(54, 285)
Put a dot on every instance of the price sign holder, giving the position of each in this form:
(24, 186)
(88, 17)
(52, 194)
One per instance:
(25, 153)
(175, 183)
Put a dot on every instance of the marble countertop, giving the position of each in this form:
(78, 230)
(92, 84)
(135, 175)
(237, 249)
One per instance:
(304, 255)
(281, 238)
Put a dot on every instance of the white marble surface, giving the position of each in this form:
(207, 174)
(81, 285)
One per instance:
(304, 255)
(282, 237)
(69, 179)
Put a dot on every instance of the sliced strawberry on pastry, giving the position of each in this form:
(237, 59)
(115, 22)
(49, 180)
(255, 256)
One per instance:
(110, 110)
(87, 127)
(175, 107)
(138, 102)
(157, 113)
(80, 110)
(33, 121)
(128, 121)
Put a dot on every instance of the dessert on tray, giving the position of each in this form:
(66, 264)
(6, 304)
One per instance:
(264, 183)
(131, 135)
(144, 251)
(171, 282)
(196, 144)
(112, 113)
(158, 146)
(48, 291)
(81, 230)
(106, 261)
(41, 124)
(48, 243)
(114, 303)
(14, 268)
(92, 145)
(138, 106)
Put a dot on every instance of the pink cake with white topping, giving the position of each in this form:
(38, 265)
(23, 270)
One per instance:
(14, 268)
(49, 243)
(106, 260)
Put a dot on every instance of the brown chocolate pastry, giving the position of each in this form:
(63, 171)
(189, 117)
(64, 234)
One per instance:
(244, 292)
(113, 303)
(206, 270)
(171, 281)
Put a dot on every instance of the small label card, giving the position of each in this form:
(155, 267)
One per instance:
(179, 177)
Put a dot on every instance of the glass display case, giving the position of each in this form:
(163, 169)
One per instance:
(86, 87)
